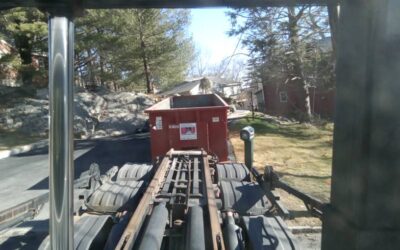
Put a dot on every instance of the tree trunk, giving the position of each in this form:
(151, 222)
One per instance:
(25, 52)
(101, 70)
(297, 75)
(149, 84)
(101, 63)
(92, 81)
(146, 67)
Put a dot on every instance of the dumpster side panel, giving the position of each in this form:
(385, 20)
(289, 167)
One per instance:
(201, 140)
(218, 134)
(189, 128)
(159, 139)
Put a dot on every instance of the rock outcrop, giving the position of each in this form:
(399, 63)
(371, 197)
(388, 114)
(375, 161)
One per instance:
(96, 114)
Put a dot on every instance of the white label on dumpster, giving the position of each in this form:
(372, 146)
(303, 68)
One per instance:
(188, 131)
(158, 122)
(215, 119)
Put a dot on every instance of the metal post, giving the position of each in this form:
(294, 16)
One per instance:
(333, 13)
(61, 55)
(247, 135)
(248, 153)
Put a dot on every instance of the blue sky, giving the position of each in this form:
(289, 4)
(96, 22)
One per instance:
(209, 30)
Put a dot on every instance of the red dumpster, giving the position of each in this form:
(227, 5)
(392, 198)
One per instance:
(189, 122)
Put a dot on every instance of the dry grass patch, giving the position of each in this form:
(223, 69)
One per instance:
(300, 153)
(13, 139)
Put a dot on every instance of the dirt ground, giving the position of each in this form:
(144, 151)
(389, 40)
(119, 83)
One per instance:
(309, 241)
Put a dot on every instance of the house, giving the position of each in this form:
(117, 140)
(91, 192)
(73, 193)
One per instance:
(9, 75)
(205, 85)
(259, 100)
(226, 87)
(189, 87)
(5, 48)
(288, 99)
(251, 97)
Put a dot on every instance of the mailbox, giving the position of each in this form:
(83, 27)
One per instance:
(247, 133)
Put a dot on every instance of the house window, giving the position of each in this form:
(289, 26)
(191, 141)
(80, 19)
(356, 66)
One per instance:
(283, 96)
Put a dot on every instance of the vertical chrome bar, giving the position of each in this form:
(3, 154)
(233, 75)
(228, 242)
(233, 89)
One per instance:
(61, 55)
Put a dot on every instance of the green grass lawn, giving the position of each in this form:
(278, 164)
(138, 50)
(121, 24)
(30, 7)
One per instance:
(300, 153)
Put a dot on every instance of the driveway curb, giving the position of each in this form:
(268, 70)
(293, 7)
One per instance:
(22, 149)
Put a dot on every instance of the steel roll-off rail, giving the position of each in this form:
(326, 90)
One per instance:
(366, 164)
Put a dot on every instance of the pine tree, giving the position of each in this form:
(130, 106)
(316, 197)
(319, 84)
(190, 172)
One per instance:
(133, 48)
(26, 30)
(125, 48)
(159, 39)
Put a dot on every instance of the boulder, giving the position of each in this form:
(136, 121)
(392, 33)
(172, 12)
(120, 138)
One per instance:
(95, 114)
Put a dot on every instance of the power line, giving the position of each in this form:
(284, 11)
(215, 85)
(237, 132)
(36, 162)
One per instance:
(233, 54)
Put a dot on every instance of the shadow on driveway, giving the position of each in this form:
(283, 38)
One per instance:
(107, 152)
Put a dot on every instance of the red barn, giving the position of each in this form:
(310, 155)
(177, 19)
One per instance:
(288, 100)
